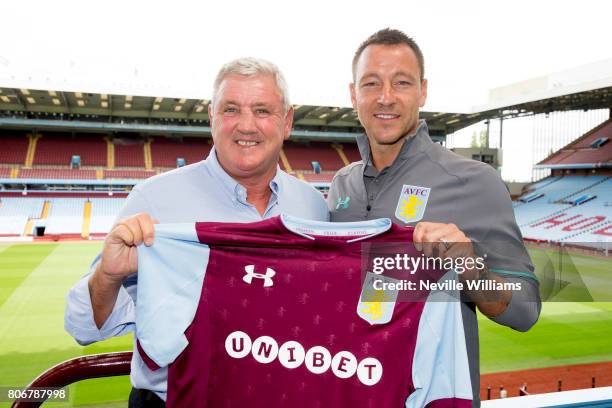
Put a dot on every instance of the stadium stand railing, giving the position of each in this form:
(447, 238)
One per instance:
(78, 369)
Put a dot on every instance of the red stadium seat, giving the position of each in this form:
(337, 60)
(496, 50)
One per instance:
(128, 174)
(129, 152)
(58, 149)
(14, 149)
(301, 155)
(72, 174)
(164, 151)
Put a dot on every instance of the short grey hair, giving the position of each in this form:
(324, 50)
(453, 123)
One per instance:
(249, 67)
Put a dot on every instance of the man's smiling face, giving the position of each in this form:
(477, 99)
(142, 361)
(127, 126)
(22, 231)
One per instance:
(249, 125)
(388, 92)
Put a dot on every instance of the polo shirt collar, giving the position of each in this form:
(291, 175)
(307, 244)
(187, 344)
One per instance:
(414, 143)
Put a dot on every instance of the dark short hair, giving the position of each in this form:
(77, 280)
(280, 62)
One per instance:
(389, 36)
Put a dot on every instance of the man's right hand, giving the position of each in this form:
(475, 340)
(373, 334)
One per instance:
(119, 260)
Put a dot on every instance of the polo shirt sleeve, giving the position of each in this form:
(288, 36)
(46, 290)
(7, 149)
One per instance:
(488, 220)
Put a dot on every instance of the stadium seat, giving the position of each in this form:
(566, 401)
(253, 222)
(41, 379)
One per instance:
(301, 155)
(165, 151)
(129, 152)
(14, 149)
(58, 149)
(54, 173)
(128, 174)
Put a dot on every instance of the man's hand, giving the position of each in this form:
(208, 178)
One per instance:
(448, 241)
(119, 260)
(442, 240)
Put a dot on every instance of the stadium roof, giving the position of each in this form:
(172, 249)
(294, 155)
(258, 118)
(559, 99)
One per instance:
(47, 109)
(28, 108)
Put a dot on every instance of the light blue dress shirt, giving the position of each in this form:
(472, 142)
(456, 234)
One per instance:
(199, 192)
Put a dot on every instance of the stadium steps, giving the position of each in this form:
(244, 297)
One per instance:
(86, 219)
(147, 155)
(14, 172)
(340, 151)
(33, 140)
(28, 227)
(110, 154)
(99, 174)
(585, 188)
(285, 161)
(44, 214)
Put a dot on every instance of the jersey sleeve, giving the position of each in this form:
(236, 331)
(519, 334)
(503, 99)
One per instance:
(78, 316)
(440, 370)
(170, 277)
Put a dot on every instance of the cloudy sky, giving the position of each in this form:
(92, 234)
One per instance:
(174, 48)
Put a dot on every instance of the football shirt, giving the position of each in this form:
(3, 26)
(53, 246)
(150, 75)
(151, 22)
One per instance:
(283, 312)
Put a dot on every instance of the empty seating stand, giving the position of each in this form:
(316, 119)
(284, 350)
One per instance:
(301, 155)
(594, 148)
(58, 149)
(128, 174)
(103, 214)
(129, 152)
(165, 151)
(561, 216)
(319, 178)
(14, 149)
(72, 174)
(351, 151)
(66, 216)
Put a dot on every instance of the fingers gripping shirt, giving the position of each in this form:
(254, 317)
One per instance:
(273, 313)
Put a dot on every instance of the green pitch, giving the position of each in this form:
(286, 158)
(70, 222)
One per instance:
(34, 280)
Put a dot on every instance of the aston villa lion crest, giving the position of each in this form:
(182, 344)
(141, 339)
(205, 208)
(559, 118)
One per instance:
(377, 302)
(412, 203)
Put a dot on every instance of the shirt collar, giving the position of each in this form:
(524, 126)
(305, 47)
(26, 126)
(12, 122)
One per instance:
(231, 186)
(414, 143)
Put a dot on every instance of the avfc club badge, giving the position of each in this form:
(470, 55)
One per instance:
(376, 302)
(412, 203)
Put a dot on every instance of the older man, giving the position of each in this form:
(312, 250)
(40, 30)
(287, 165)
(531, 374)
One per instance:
(454, 203)
(240, 181)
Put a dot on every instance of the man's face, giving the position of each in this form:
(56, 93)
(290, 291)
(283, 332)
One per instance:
(388, 92)
(248, 125)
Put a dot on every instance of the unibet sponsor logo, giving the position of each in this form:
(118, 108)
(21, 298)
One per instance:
(292, 355)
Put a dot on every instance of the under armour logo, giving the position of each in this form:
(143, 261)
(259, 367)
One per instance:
(250, 274)
(343, 204)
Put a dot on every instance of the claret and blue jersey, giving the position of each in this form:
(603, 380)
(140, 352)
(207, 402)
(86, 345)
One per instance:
(273, 313)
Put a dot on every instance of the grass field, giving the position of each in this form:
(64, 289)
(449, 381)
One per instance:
(34, 280)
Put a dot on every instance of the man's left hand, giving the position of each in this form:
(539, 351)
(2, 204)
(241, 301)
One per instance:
(443, 240)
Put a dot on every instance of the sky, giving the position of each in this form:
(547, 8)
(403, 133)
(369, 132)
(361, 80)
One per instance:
(174, 49)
